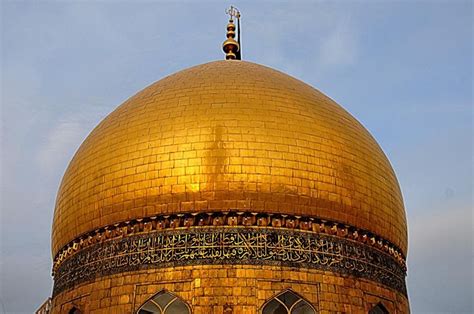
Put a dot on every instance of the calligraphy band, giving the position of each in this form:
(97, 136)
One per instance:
(230, 245)
(226, 218)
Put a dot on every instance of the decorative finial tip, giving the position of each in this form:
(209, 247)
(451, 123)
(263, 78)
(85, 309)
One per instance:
(230, 46)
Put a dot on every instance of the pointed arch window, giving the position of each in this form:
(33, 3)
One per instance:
(164, 302)
(379, 309)
(288, 302)
(74, 310)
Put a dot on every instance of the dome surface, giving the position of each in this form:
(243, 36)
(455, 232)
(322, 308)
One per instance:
(229, 135)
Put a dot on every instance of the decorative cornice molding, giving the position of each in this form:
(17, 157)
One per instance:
(227, 218)
(210, 245)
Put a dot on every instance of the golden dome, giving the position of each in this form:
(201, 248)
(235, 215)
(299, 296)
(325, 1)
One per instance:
(229, 135)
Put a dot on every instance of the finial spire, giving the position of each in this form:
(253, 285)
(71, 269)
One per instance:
(230, 46)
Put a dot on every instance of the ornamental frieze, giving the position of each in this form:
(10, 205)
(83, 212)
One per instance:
(230, 245)
(230, 219)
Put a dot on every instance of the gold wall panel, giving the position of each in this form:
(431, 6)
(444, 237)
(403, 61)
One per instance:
(229, 135)
(243, 288)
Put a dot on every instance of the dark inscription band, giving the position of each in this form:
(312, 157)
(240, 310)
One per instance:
(221, 245)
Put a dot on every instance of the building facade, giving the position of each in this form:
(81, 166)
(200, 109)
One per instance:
(229, 187)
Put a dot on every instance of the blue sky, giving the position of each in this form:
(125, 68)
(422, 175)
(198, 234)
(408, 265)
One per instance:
(403, 68)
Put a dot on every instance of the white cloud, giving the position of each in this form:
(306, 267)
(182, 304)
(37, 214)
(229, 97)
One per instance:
(339, 47)
(66, 134)
(317, 44)
(61, 143)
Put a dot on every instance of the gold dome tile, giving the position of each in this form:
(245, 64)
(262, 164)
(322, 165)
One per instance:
(229, 135)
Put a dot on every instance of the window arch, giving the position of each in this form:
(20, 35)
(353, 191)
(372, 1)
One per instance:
(379, 309)
(288, 302)
(74, 310)
(164, 302)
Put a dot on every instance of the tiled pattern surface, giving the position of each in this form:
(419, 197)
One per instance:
(229, 135)
(246, 288)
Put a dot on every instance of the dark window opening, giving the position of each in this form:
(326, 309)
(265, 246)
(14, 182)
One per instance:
(288, 302)
(74, 310)
(164, 303)
(379, 309)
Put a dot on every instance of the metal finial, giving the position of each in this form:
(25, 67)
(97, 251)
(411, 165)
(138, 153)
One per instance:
(230, 46)
(233, 12)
